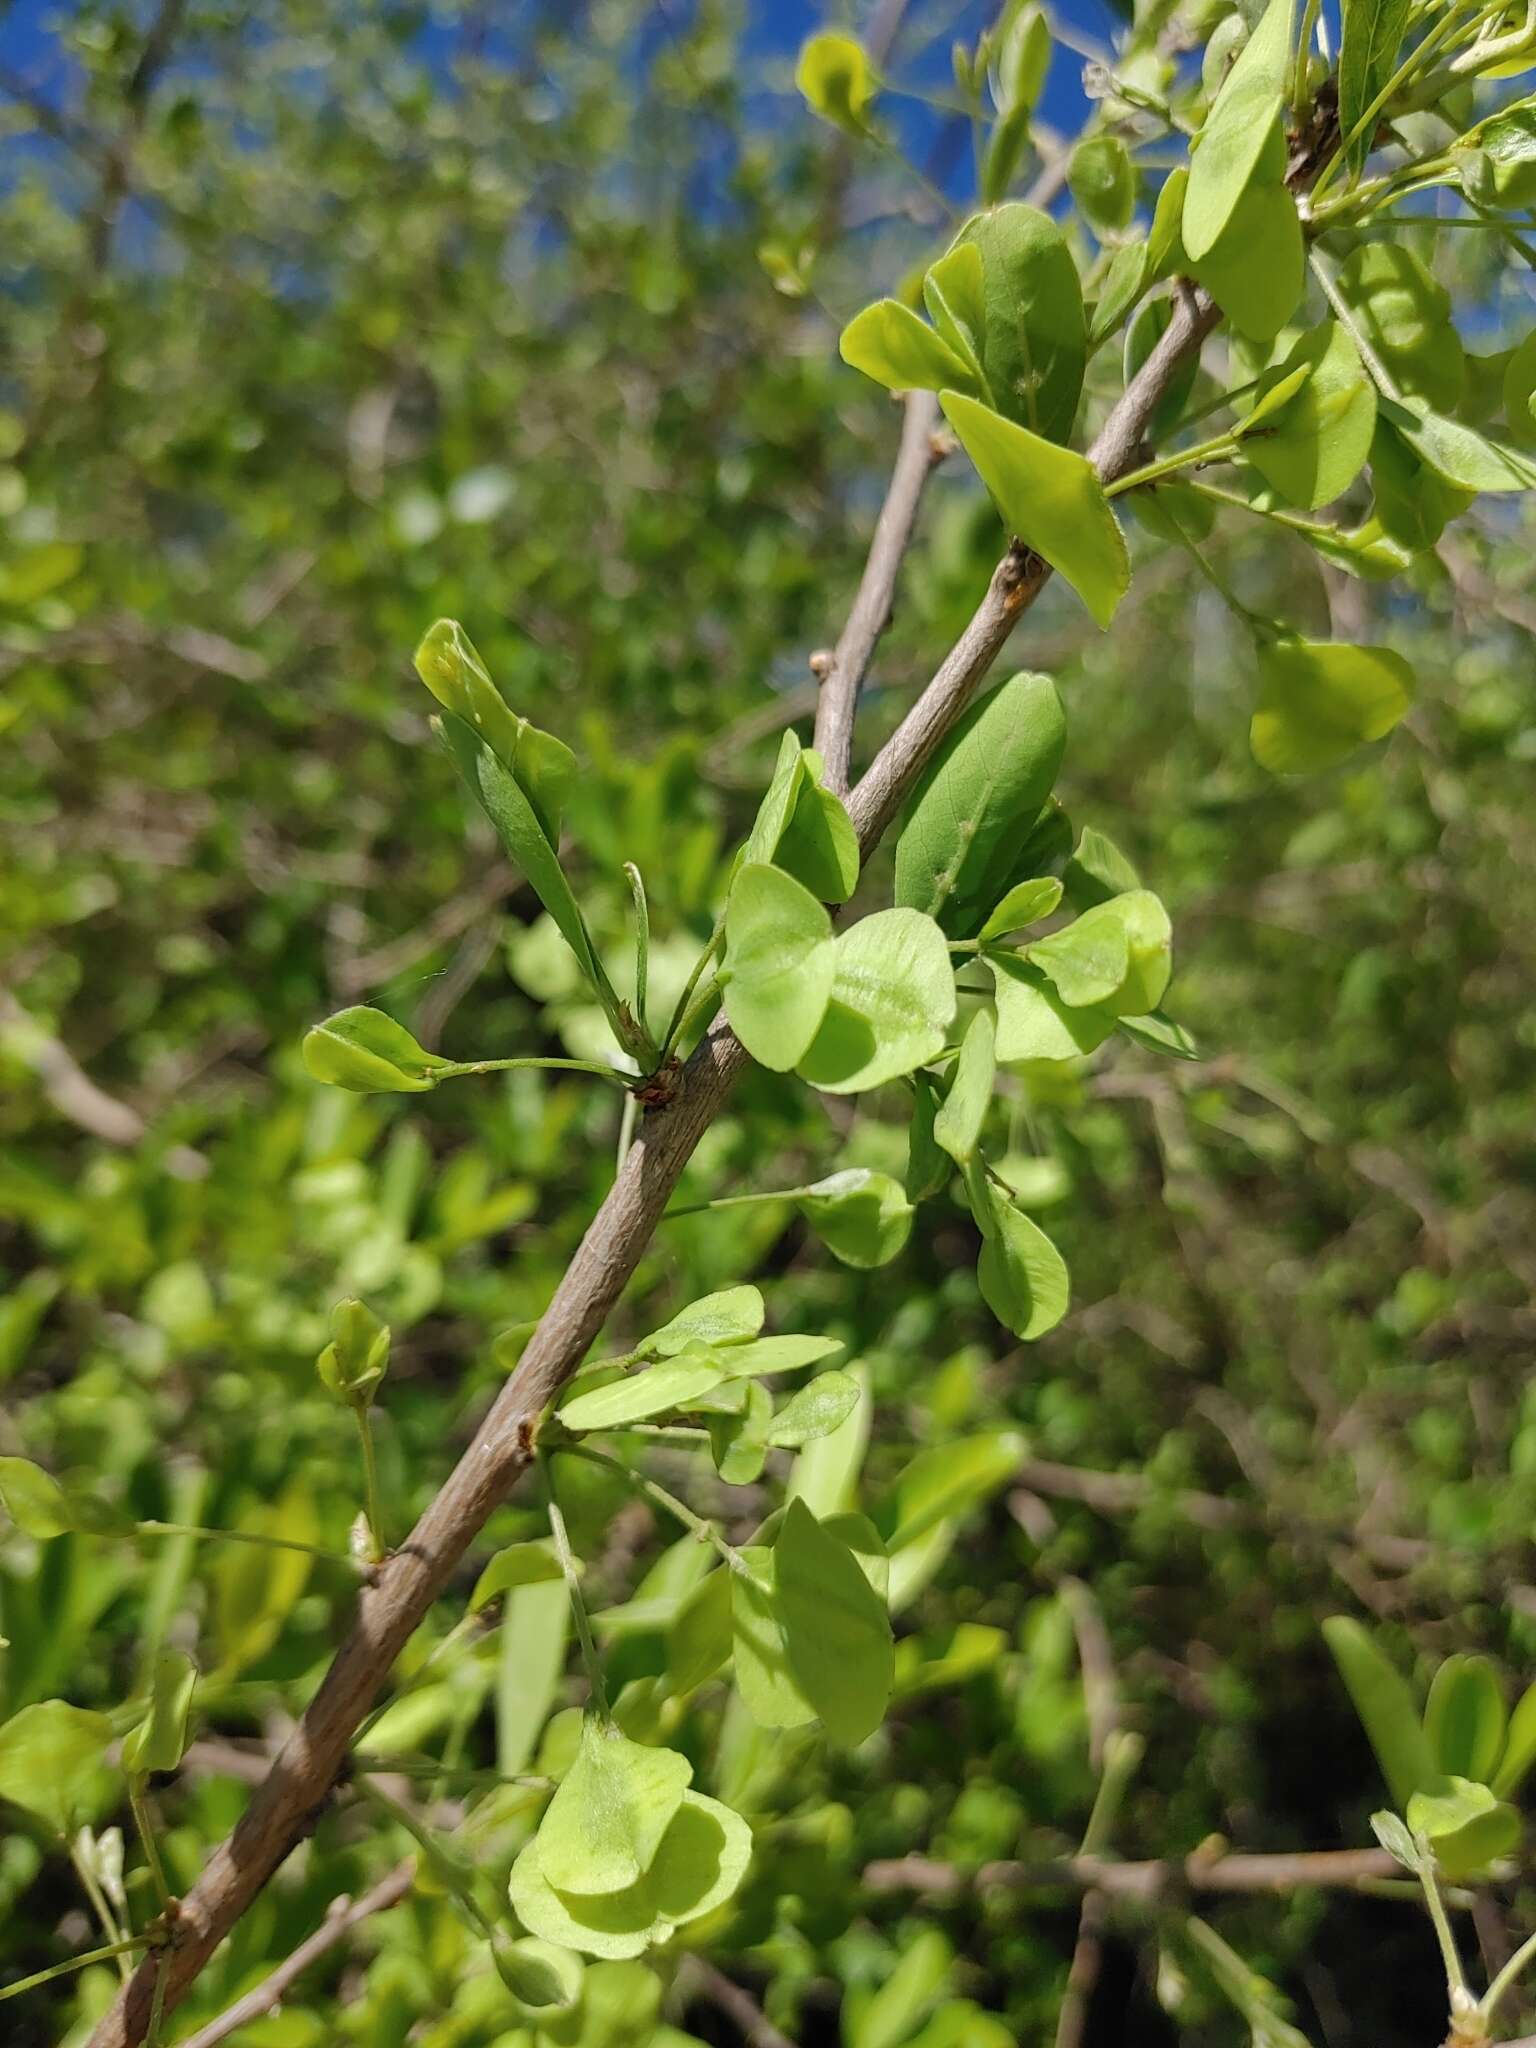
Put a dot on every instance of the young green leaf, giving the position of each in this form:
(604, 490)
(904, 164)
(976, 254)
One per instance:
(893, 999)
(1459, 455)
(544, 767)
(1097, 870)
(739, 1442)
(1465, 1718)
(1486, 1837)
(1240, 131)
(353, 1364)
(1446, 1806)
(1372, 35)
(34, 1500)
(160, 1740)
(774, 1354)
(52, 1756)
(1034, 345)
(836, 1630)
(957, 1127)
(979, 798)
(836, 82)
(1051, 498)
(1022, 1276)
(955, 295)
(1257, 270)
(256, 1586)
(539, 1975)
(820, 1407)
(700, 1862)
(1165, 242)
(862, 1217)
(533, 1563)
(1319, 701)
(1386, 1709)
(1025, 904)
(1124, 282)
(927, 1167)
(818, 844)
(1088, 960)
(655, 1391)
(1311, 448)
(1397, 1839)
(779, 965)
(1519, 1748)
(888, 2017)
(778, 804)
(729, 1317)
(1404, 314)
(1414, 504)
(1033, 1023)
(1102, 180)
(604, 1826)
(948, 1481)
(363, 1049)
(889, 343)
(769, 1689)
(699, 1634)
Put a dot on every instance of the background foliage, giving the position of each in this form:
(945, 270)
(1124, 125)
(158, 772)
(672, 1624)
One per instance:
(351, 316)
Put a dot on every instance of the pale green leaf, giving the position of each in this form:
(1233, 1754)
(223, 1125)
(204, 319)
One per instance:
(544, 768)
(729, 1317)
(51, 1759)
(836, 1630)
(34, 1500)
(834, 77)
(818, 844)
(699, 1634)
(1033, 1023)
(603, 1828)
(1034, 343)
(255, 1586)
(1371, 36)
(1023, 1278)
(1519, 1748)
(954, 293)
(1102, 180)
(957, 1127)
(774, 1354)
(779, 964)
(893, 999)
(1319, 701)
(160, 1740)
(654, 1391)
(820, 1407)
(1025, 904)
(768, 1687)
(1404, 314)
(1239, 132)
(365, 1050)
(1051, 498)
(949, 1480)
(889, 343)
(533, 1563)
(1385, 1707)
(862, 1217)
(1257, 271)
(1465, 1718)
(1313, 447)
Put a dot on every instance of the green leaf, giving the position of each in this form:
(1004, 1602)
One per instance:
(1313, 447)
(957, 1127)
(954, 293)
(1257, 271)
(1240, 132)
(535, 1628)
(1102, 180)
(522, 832)
(1088, 960)
(533, 1563)
(927, 1167)
(1021, 56)
(1165, 242)
(699, 1635)
(893, 999)
(1033, 1023)
(1485, 1838)
(778, 804)
(51, 1758)
(1507, 143)
(837, 1631)
(540, 1975)
(543, 767)
(352, 1366)
(160, 1740)
(779, 965)
(1051, 498)
(739, 1442)
(1023, 1278)
(1397, 1839)
(827, 1470)
(1447, 1805)
(1124, 283)
(1518, 392)
(775, 1354)
(1365, 551)
(34, 1500)
(1519, 1748)
(1465, 1718)
(1414, 504)
(862, 1217)
(1034, 334)
(655, 1391)
(256, 1586)
(979, 797)
(889, 343)
(887, 2017)
(1405, 317)
(836, 82)
(602, 1830)
(819, 1408)
(949, 1480)
(1157, 1033)
(729, 1317)
(1319, 701)
(701, 1861)
(362, 1049)
(1371, 36)
(769, 1689)
(1025, 904)
(1458, 455)
(1385, 1706)
(1098, 870)
(818, 844)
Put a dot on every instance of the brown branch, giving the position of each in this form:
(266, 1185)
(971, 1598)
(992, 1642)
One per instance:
(757, 2030)
(304, 1772)
(920, 451)
(1147, 1883)
(343, 1916)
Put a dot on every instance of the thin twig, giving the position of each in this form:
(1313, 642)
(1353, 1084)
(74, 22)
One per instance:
(1324, 1869)
(838, 705)
(757, 2030)
(343, 1916)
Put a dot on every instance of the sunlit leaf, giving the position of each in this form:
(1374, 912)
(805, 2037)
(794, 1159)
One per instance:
(893, 998)
(862, 1217)
(1240, 131)
(603, 1828)
(836, 1630)
(1320, 700)
(779, 964)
